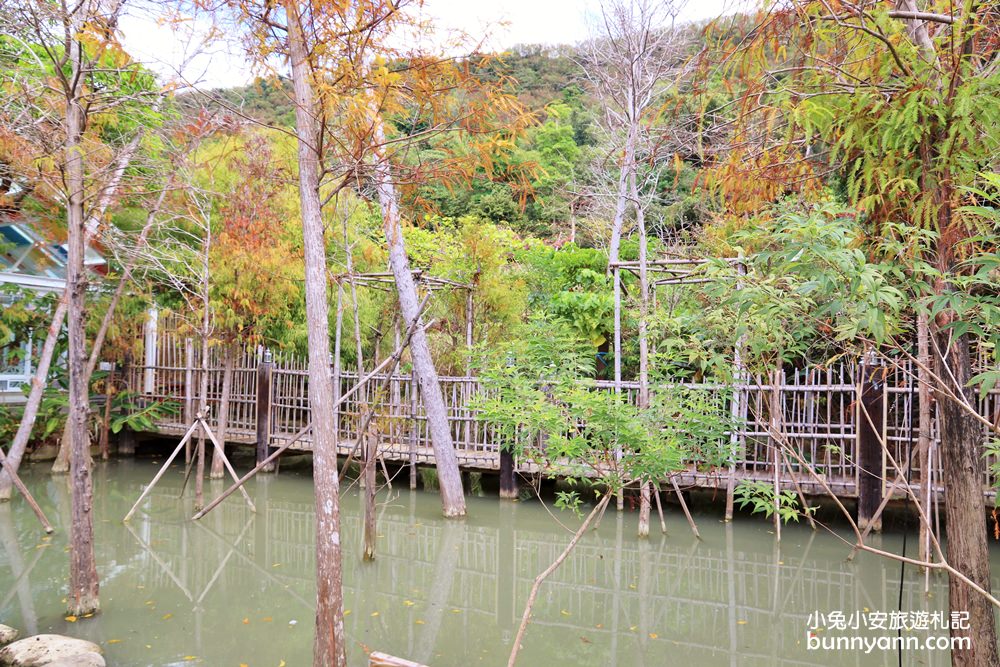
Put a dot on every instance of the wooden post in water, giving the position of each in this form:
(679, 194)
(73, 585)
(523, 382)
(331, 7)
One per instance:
(265, 371)
(508, 475)
(871, 435)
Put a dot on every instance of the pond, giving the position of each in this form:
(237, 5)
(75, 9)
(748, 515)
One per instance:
(236, 588)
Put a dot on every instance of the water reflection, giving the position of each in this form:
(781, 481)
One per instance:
(237, 587)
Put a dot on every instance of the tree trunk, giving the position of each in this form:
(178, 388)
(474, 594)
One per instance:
(962, 477)
(924, 430)
(640, 219)
(328, 646)
(20, 442)
(61, 464)
(449, 476)
(83, 582)
(218, 470)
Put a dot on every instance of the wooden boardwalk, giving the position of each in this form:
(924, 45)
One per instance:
(820, 416)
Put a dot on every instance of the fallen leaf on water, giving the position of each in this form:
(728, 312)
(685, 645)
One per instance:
(114, 641)
(167, 617)
(71, 619)
(275, 564)
(246, 621)
(741, 622)
(653, 635)
(243, 664)
(374, 613)
(418, 622)
(90, 615)
(189, 658)
(564, 612)
(281, 664)
(346, 612)
(409, 603)
(632, 628)
(456, 611)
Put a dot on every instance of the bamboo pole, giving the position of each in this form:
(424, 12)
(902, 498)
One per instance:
(162, 470)
(19, 485)
(687, 512)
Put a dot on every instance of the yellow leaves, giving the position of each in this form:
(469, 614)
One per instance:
(166, 617)
(408, 603)
(564, 612)
(374, 614)
(246, 621)
(418, 622)
(653, 635)
(114, 641)
(71, 619)
(741, 622)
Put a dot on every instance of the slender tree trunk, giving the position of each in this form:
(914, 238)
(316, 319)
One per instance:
(640, 219)
(218, 470)
(924, 428)
(61, 464)
(199, 479)
(962, 477)
(449, 476)
(366, 436)
(328, 647)
(20, 442)
(83, 582)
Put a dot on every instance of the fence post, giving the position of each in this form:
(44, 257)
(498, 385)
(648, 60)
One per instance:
(265, 370)
(871, 435)
(414, 425)
(149, 374)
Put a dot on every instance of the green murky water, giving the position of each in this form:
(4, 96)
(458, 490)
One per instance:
(237, 588)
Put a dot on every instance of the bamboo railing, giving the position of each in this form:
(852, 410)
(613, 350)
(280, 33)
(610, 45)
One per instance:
(819, 411)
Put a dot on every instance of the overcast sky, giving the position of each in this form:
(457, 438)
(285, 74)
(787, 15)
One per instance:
(505, 22)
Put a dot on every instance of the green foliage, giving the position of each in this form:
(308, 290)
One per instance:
(540, 395)
(759, 496)
(129, 410)
(808, 283)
